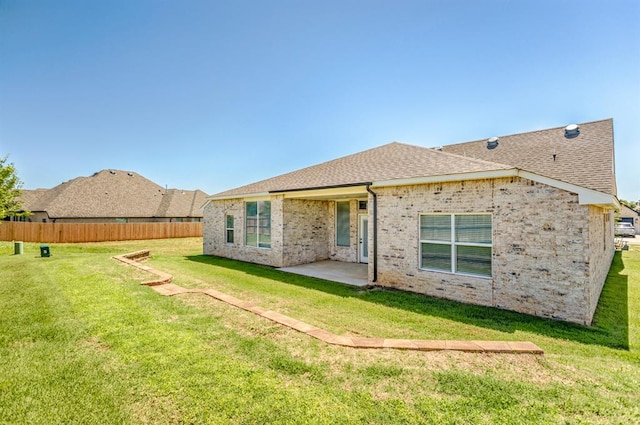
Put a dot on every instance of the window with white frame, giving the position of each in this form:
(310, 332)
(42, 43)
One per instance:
(258, 224)
(343, 224)
(456, 243)
(229, 229)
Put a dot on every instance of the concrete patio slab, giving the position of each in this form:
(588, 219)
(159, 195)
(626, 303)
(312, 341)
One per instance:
(335, 271)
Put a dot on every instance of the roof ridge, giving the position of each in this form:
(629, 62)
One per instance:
(472, 159)
(468, 158)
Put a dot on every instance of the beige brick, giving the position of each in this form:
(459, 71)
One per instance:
(551, 254)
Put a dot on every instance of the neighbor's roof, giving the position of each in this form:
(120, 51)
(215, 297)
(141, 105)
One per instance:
(392, 161)
(29, 198)
(113, 194)
(625, 211)
(586, 161)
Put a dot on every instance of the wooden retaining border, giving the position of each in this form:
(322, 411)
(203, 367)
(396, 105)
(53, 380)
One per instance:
(162, 284)
(134, 259)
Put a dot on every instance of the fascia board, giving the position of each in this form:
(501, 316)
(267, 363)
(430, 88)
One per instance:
(585, 196)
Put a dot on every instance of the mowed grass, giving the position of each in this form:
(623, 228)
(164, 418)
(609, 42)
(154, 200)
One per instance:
(81, 341)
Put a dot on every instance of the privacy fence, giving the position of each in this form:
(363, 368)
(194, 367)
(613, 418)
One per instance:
(95, 232)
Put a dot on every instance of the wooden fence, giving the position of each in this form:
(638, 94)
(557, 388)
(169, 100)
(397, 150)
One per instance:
(95, 232)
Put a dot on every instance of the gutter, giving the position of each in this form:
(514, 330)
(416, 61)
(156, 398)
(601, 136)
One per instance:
(375, 232)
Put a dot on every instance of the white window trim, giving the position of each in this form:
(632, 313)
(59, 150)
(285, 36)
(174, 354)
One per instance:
(227, 228)
(257, 201)
(454, 245)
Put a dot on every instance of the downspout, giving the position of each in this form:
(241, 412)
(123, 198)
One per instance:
(375, 232)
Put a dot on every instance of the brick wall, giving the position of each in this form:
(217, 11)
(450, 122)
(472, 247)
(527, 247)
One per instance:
(601, 251)
(347, 254)
(307, 231)
(215, 230)
(541, 251)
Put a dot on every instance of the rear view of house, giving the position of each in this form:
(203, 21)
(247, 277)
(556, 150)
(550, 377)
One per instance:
(521, 222)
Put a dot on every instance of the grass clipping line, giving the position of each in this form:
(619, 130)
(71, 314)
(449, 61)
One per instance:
(162, 284)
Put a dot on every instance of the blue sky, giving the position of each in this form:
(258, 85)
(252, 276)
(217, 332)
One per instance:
(212, 95)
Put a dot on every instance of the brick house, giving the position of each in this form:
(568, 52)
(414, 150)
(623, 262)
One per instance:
(521, 222)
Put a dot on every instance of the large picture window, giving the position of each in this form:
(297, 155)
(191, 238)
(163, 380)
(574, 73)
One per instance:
(456, 243)
(258, 224)
(343, 224)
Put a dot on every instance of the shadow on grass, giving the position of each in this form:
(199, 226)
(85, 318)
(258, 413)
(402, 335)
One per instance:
(610, 327)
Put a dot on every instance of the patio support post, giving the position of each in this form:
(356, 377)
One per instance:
(375, 232)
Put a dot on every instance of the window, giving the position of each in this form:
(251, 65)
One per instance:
(258, 224)
(229, 229)
(342, 224)
(456, 243)
(362, 205)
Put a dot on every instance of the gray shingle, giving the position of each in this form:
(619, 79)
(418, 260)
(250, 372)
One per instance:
(392, 161)
(114, 193)
(585, 161)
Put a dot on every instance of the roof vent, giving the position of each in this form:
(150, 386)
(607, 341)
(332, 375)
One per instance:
(112, 171)
(571, 131)
(492, 143)
(130, 174)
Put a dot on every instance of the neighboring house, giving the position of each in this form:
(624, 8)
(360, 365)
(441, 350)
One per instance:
(522, 222)
(113, 196)
(628, 215)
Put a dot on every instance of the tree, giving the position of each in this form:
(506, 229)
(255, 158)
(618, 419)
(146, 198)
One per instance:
(10, 184)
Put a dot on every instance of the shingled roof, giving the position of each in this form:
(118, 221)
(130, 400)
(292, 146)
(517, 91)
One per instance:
(586, 161)
(113, 194)
(392, 161)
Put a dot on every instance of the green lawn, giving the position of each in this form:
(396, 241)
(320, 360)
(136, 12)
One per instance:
(82, 342)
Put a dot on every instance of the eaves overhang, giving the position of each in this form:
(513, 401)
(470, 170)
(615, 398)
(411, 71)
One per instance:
(321, 192)
(585, 196)
(327, 192)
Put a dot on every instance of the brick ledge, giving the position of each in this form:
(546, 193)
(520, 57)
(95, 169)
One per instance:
(162, 284)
